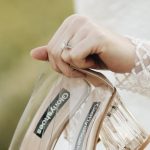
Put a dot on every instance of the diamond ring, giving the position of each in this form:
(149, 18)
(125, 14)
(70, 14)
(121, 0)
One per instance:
(66, 45)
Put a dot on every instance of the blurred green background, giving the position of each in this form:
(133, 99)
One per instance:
(23, 26)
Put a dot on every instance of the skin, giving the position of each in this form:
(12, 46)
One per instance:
(92, 46)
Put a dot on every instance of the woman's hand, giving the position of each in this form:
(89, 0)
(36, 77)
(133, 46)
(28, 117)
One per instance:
(91, 46)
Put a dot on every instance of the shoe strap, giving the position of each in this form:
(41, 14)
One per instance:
(95, 74)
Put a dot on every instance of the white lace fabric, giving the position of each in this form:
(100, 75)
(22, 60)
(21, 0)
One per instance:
(139, 78)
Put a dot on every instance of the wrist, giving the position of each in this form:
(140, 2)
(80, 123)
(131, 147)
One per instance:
(119, 53)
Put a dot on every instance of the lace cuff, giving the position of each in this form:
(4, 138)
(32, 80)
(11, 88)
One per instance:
(139, 78)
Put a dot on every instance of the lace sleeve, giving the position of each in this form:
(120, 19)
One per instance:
(139, 78)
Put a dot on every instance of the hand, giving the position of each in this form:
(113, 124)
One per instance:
(91, 47)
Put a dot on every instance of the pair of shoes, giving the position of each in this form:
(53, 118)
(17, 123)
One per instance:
(51, 109)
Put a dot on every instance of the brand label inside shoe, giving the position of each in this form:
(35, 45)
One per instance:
(82, 133)
(62, 97)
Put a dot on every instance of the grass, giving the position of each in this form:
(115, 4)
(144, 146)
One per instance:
(23, 26)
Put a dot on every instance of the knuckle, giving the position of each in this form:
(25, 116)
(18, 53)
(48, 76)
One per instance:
(67, 71)
(74, 16)
(71, 17)
(66, 58)
(75, 22)
(79, 18)
(73, 56)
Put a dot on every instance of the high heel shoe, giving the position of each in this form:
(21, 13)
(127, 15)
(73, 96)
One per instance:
(117, 128)
(48, 112)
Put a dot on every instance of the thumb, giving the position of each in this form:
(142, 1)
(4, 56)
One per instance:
(40, 53)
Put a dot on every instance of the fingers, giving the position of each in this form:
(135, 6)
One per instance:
(40, 53)
(67, 70)
(69, 28)
(53, 64)
(75, 29)
(64, 34)
(79, 55)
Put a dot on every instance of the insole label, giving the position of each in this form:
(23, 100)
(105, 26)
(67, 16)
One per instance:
(86, 123)
(62, 97)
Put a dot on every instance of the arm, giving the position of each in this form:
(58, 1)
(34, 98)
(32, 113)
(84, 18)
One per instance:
(139, 78)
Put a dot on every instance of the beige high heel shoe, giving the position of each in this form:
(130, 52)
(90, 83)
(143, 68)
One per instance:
(48, 112)
(117, 127)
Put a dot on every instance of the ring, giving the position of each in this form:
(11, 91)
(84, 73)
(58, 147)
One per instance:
(66, 45)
